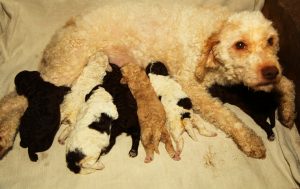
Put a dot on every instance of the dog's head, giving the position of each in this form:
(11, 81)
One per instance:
(245, 50)
(26, 82)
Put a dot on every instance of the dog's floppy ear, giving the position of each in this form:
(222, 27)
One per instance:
(207, 59)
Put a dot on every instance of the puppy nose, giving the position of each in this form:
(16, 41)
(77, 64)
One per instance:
(269, 72)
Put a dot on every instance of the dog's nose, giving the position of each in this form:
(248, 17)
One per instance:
(270, 72)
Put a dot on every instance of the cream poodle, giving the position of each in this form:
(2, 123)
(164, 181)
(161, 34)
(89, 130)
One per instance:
(199, 46)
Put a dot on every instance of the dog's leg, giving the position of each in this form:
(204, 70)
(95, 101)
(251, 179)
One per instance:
(12, 108)
(112, 142)
(65, 56)
(64, 134)
(165, 137)
(213, 110)
(32, 154)
(147, 141)
(286, 109)
(135, 144)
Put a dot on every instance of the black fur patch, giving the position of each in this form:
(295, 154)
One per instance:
(87, 96)
(73, 158)
(159, 97)
(157, 68)
(186, 103)
(185, 115)
(103, 125)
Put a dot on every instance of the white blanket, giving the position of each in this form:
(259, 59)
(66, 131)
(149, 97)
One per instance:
(26, 28)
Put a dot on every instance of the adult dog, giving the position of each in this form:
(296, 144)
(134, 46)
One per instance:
(199, 47)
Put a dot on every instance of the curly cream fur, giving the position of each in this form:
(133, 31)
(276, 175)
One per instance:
(196, 45)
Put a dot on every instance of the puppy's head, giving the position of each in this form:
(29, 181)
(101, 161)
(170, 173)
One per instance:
(157, 68)
(132, 73)
(26, 82)
(245, 50)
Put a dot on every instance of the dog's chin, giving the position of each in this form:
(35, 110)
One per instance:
(263, 86)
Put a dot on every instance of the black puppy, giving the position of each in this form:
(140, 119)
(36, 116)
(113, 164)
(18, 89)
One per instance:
(127, 121)
(259, 105)
(41, 119)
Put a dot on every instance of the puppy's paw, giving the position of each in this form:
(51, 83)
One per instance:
(33, 156)
(133, 153)
(176, 156)
(271, 137)
(148, 159)
(149, 154)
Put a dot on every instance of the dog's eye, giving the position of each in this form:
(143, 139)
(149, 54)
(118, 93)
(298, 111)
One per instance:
(271, 41)
(240, 45)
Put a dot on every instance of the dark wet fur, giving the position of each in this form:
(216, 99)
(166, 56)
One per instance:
(41, 120)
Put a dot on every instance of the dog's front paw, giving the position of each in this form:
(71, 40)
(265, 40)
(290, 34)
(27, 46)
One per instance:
(250, 143)
(286, 117)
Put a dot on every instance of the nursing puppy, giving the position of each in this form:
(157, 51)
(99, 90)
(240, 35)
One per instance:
(41, 119)
(91, 132)
(151, 113)
(259, 105)
(127, 121)
(178, 106)
(88, 115)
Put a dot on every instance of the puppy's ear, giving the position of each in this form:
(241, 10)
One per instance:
(207, 59)
(123, 81)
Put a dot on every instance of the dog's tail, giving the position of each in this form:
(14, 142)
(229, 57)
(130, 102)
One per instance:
(12, 107)
(73, 159)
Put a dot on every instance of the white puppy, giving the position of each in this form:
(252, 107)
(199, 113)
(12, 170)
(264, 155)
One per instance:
(87, 113)
(91, 133)
(178, 106)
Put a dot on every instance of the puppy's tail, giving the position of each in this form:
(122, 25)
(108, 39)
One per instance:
(12, 107)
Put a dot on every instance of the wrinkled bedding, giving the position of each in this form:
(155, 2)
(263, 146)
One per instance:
(26, 27)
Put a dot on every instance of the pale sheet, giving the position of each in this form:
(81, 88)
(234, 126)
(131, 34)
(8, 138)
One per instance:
(27, 26)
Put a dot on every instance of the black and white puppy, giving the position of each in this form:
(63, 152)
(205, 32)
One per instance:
(259, 105)
(89, 122)
(178, 106)
(127, 121)
(41, 119)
